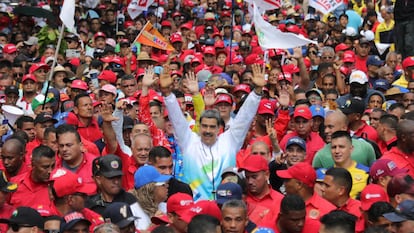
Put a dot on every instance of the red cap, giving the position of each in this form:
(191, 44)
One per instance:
(210, 50)
(177, 72)
(242, 87)
(341, 47)
(285, 76)
(302, 171)
(79, 84)
(219, 44)
(225, 14)
(291, 68)
(9, 48)
(202, 207)
(224, 98)
(179, 203)
(37, 66)
(99, 34)
(29, 77)
(401, 183)
(67, 183)
(407, 62)
(166, 23)
(349, 56)
(370, 194)
(266, 106)
(253, 58)
(385, 167)
(187, 26)
(175, 37)
(107, 75)
(175, 14)
(293, 28)
(254, 163)
(276, 52)
(302, 112)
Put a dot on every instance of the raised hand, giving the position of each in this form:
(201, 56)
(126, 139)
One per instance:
(270, 129)
(209, 97)
(192, 82)
(258, 76)
(149, 77)
(284, 98)
(165, 78)
(106, 113)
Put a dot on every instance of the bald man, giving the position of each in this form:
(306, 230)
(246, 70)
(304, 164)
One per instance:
(402, 154)
(363, 152)
(12, 157)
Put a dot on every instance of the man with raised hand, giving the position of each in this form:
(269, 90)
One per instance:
(206, 156)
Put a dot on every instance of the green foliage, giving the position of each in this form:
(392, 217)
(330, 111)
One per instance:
(49, 36)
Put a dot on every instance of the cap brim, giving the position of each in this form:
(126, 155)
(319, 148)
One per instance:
(158, 220)
(125, 222)
(71, 224)
(285, 174)
(163, 178)
(346, 111)
(111, 174)
(394, 217)
(4, 220)
(249, 169)
(9, 188)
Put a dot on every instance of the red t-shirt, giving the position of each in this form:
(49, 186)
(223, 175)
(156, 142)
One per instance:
(401, 159)
(361, 63)
(367, 131)
(314, 143)
(316, 207)
(29, 193)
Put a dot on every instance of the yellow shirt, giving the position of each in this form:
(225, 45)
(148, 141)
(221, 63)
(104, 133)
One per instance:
(359, 175)
(401, 82)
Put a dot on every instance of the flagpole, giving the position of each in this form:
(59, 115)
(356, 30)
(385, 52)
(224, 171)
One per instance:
(140, 32)
(62, 28)
(231, 31)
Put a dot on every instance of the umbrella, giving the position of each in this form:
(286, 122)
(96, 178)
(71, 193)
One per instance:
(36, 12)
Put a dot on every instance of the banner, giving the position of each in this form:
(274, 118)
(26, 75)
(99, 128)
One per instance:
(325, 6)
(265, 5)
(149, 35)
(67, 15)
(272, 38)
(136, 7)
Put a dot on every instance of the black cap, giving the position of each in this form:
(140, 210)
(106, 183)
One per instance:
(5, 185)
(128, 123)
(11, 89)
(71, 37)
(44, 117)
(71, 219)
(119, 213)
(363, 41)
(25, 216)
(354, 105)
(108, 166)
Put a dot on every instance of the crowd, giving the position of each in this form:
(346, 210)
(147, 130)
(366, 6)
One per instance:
(117, 135)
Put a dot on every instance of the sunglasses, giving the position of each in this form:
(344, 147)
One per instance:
(15, 75)
(51, 231)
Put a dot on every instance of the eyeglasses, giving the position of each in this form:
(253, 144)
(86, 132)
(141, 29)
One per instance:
(41, 71)
(18, 75)
(313, 52)
(314, 98)
(259, 153)
(131, 85)
(16, 227)
(327, 57)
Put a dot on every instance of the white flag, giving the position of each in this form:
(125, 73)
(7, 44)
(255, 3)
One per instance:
(272, 38)
(325, 6)
(265, 5)
(136, 7)
(67, 15)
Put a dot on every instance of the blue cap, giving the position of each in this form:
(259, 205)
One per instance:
(403, 212)
(148, 174)
(374, 60)
(158, 69)
(382, 84)
(317, 110)
(228, 191)
(320, 174)
(263, 230)
(296, 141)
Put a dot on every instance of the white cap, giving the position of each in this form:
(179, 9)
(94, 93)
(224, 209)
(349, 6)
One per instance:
(358, 76)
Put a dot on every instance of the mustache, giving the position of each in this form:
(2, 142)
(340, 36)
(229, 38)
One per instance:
(208, 134)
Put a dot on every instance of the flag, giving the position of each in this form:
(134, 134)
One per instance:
(136, 7)
(67, 15)
(149, 35)
(272, 38)
(325, 6)
(265, 5)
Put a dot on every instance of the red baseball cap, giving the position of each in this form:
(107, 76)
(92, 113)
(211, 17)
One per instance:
(370, 194)
(67, 183)
(285, 76)
(166, 23)
(219, 44)
(175, 37)
(341, 47)
(291, 68)
(255, 163)
(407, 62)
(79, 84)
(107, 75)
(302, 171)
(179, 203)
(302, 111)
(210, 50)
(266, 106)
(224, 98)
(349, 56)
(37, 66)
(242, 87)
(99, 34)
(276, 52)
(9, 48)
(202, 207)
(253, 58)
(385, 167)
(187, 26)
(29, 77)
